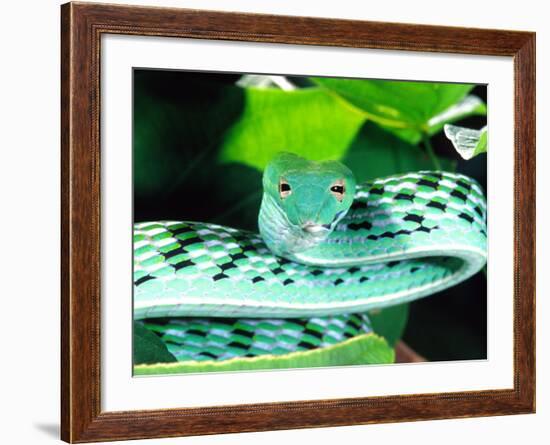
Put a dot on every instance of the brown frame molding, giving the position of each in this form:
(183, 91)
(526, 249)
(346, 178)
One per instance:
(82, 25)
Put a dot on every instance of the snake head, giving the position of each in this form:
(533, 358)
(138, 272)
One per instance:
(314, 196)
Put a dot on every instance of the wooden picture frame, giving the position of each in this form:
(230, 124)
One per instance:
(82, 26)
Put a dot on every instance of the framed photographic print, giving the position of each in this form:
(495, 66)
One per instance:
(276, 222)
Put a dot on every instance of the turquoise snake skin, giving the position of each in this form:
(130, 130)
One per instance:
(215, 293)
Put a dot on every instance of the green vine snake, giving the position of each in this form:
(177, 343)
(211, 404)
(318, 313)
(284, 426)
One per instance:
(299, 292)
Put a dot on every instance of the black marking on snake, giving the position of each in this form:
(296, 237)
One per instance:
(483, 232)
(173, 253)
(363, 279)
(374, 191)
(438, 176)
(277, 270)
(464, 184)
(478, 211)
(364, 225)
(186, 263)
(401, 232)
(427, 183)
(288, 281)
(414, 269)
(236, 344)
(227, 266)
(258, 279)
(247, 334)
(226, 321)
(231, 264)
(353, 269)
(426, 229)
(437, 205)
(282, 261)
(458, 194)
(219, 276)
(313, 333)
(392, 263)
(300, 322)
(190, 241)
(466, 217)
(159, 335)
(305, 344)
(316, 272)
(394, 234)
(359, 205)
(182, 230)
(414, 218)
(338, 281)
(162, 321)
(237, 256)
(241, 237)
(209, 354)
(354, 323)
(404, 196)
(143, 280)
(405, 232)
(197, 332)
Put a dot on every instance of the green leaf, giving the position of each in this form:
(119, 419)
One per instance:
(309, 122)
(390, 322)
(407, 109)
(148, 347)
(467, 142)
(470, 105)
(376, 153)
(361, 350)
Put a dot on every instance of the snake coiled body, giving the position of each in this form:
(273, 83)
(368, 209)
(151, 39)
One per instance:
(218, 293)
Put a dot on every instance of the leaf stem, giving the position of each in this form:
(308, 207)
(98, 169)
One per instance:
(429, 149)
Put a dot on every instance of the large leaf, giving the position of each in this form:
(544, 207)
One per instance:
(407, 109)
(467, 142)
(361, 350)
(308, 122)
(390, 322)
(148, 347)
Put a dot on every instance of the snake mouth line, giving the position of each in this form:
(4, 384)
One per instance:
(316, 229)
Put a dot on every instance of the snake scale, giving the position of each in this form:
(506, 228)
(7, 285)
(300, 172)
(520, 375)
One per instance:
(329, 250)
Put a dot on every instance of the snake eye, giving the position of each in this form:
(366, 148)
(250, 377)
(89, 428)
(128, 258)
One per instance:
(338, 189)
(284, 188)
